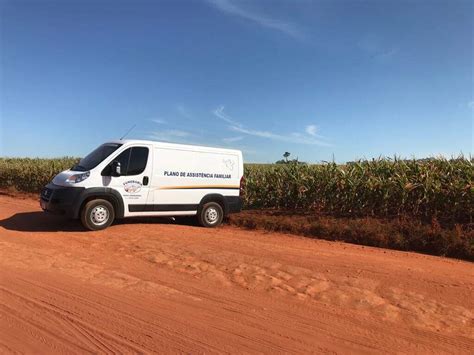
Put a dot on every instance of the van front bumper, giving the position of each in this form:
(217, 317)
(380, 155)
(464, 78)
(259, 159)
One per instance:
(59, 199)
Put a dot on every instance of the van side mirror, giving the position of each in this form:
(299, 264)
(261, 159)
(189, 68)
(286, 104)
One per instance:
(116, 169)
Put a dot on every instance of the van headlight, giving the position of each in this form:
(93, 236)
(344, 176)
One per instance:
(74, 179)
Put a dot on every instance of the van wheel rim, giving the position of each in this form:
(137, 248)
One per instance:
(99, 215)
(211, 215)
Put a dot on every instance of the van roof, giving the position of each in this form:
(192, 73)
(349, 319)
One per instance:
(175, 145)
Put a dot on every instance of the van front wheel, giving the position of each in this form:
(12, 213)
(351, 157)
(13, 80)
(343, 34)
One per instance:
(210, 215)
(97, 214)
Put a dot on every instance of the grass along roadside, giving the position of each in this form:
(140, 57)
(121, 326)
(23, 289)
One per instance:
(401, 233)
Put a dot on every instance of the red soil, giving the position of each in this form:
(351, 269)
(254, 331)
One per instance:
(151, 286)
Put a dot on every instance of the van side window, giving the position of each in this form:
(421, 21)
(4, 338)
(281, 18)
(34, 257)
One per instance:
(132, 161)
(138, 160)
(123, 159)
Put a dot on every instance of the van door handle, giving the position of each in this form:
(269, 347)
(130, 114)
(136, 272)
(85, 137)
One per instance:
(145, 180)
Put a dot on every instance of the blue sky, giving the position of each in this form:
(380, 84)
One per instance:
(320, 79)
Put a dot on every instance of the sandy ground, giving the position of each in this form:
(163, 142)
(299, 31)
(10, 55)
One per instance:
(149, 286)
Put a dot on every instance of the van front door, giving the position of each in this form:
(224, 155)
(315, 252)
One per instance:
(134, 180)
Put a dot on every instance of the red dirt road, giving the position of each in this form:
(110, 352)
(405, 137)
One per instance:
(147, 286)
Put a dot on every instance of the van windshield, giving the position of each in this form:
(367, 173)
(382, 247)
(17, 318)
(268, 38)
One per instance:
(96, 157)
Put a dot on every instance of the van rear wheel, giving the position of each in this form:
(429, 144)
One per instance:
(97, 214)
(211, 215)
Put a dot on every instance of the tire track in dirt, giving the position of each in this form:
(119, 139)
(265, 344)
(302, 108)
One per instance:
(354, 291)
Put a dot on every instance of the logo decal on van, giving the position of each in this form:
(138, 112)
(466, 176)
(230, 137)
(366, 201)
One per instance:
(229, 164)
(132, 186)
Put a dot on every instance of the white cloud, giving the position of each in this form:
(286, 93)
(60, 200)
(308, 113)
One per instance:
(248, 151)
(311, 130)
(170, 135)
(159, 121)
(295, 137)
(232, 8)
(292, 138)
(219, 112)
(183, 111)
(177, 133)
(232, 139)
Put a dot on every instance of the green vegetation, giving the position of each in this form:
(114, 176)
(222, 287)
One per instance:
(31, 175)
(433, 188)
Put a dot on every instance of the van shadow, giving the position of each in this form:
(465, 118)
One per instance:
(46, 222)
(40, 222)
(182, 221)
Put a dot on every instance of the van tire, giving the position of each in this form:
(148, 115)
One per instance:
(97, 214)
(210, 215)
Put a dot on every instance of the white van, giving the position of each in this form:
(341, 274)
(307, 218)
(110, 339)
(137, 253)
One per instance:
(129, 178)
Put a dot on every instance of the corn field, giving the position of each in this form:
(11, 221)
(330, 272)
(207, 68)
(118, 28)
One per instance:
(435, 188)
(31, 174)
